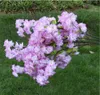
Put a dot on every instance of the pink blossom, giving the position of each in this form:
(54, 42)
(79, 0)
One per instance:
(20, 32)
(17, 69)
(63, 60)
(47, 45)
(8, 43)
(83, 27)
(19, 23)
(42, 80)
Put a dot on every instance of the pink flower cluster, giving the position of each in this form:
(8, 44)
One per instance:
(47, 46)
